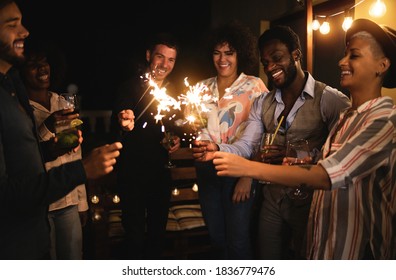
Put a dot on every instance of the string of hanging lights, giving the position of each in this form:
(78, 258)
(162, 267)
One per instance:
(377, 9)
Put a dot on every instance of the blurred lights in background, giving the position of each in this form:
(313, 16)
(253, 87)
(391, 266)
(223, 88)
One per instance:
(195, 188)
(175, 192)
(95, 199)
(116, 199)
(347, 23)
(377, 9)
(325, 27)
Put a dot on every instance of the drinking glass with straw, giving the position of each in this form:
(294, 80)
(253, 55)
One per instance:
(269, 153)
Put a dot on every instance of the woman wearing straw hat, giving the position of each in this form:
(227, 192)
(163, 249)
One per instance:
(352, 215)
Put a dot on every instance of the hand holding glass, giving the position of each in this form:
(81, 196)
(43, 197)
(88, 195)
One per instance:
(298, 153)
(68, 101)
(271, 153)
(167, 143)
(67, 131)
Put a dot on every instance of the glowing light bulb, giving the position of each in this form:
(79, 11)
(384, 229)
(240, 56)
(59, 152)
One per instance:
(315, 24)
(347, 23)
(377, 9)
(325, 28)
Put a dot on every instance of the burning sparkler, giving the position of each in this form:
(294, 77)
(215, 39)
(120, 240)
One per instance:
(165, 102)
(195, 100)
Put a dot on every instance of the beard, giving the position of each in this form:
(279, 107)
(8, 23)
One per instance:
(7, 55)
(290, 74)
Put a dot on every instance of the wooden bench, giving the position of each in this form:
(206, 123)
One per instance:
(187, 235)
(186, 228)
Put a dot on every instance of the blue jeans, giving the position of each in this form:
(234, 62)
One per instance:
(66, 234)
(228, 223)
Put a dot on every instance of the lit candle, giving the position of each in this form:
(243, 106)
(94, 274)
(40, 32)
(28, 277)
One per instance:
(95, 199)
(195, 188)
(116, 199)
(175, 192)
(97, 216)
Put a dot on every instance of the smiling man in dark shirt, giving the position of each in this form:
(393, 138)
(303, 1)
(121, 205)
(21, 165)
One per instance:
(26, 189)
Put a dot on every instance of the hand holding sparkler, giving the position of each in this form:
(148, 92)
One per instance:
(126, 119)
(203, 150)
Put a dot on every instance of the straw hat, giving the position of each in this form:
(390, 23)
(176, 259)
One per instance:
(386, 37)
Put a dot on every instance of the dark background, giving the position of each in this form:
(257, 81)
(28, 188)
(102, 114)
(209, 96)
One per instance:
(96, 43)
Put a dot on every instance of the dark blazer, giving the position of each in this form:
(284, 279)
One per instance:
(26, 189)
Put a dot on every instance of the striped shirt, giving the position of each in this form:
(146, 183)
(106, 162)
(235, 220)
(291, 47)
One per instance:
(360, 210)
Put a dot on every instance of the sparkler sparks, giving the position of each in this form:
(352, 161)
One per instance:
(165, 102)
(195, 100)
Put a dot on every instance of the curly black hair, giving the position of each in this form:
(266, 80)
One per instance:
(240, 39)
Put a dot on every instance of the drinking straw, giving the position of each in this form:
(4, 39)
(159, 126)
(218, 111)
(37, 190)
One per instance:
(276, 130)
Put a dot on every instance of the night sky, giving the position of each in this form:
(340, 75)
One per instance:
(99, 44)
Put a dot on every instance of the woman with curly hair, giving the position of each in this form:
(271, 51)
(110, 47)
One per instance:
(227, 202)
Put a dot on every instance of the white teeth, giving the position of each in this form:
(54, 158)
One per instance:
(43, 78)
(276, 74)
(346, 73)
(19, 45)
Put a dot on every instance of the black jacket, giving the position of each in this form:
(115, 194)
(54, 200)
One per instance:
(26, 189)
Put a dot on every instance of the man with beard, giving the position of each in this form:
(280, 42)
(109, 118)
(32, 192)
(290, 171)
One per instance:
(306, 109)
(143, 181)
(26, 189)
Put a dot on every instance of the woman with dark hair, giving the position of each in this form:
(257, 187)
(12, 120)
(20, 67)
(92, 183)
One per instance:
(226, 202)
(68, 214)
